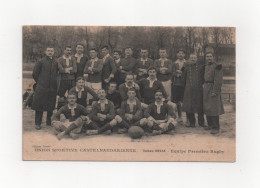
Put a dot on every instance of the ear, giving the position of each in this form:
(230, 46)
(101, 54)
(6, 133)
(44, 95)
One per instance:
(219, 66)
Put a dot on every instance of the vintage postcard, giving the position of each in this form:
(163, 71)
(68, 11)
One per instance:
(127, 93)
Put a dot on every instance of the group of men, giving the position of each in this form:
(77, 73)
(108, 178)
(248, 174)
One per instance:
(113, 93)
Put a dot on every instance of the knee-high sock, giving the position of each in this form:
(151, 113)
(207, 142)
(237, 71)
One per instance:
(106, 127)
(70, 128)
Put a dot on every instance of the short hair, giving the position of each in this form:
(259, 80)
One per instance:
(209, 53)
(163, 49)
(131, 89)
(105, 46)
(151, 68)
(111, 83)
(181, 50)
(158, 91)
(117, 51)
(128, 47)
(49, 46)
(144, 49)
(93, 49)
(101, 90)
(79, 78)
(129, 74)
(67, 46)
(72, 93)
(80, 44)
(193, 54)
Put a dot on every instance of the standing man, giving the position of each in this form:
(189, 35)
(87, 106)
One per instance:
(81, 59)
(164, 71)
(67, 69)
(119, 76)
(128, 63)
(82, 92)
(160, 116)
(45, 74)
(143, 64)
(177, 84)
(212, 102)
(109, 67)
(193, 95)
(93, 71)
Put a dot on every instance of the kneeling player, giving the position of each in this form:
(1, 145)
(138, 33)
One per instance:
(103, 114)
(160, 116)
(131, 113)
(71, 118)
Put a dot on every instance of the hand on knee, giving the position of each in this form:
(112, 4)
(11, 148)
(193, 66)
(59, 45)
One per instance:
(150, 123)
(143, 122)
(113, 123)
(118, 119)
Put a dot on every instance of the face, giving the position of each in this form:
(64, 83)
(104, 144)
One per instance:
(92, 54)
(163, 53)
(152, 73)
(209, 58)
(129, 79)
(144, 53)
(67, 51)
(72, 99)
(101, 94)
(104, 51)
(116, 55)
(158, 96)
(193, 58)
(128, 52)
(49, 52)
(79, 49)
(80, 84)
(131, 94)
(112, 87)
(180, 55)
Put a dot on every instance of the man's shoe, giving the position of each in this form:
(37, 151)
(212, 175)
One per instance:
(202, 125)
(91, 132)
(122, 131)
(179, 120)
(38, 127)
(61, 135)
(214, 131)
(108, 132)
(191, 125)
(207, 128)
(74, 136)
(155, 132)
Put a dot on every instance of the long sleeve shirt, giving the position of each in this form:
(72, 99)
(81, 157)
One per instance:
(159, 111)
(123, 89)
(177, 77)
(65, 63)
(108, 110)
(143, 64)
(94, 76)
(82, 94)
(163, 63)
(81, 63)
(109, 67)
(131, 108)
(148, 89)
(115, 98)
(71, 113)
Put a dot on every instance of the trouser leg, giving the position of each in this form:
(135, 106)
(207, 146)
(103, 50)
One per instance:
(209, 120)
(62, 88)
(179, 109)
(215, 122)
(48, 119)
(201, 119)
(38, 117)
(191, 118)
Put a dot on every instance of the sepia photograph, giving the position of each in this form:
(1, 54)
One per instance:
(129, 93)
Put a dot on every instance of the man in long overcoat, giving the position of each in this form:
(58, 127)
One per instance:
(193, 95)
(212, 102)
(45, 75)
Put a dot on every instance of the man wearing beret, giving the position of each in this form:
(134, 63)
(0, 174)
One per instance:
(212, 102)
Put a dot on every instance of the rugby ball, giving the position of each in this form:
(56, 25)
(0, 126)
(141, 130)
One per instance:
(135, 132)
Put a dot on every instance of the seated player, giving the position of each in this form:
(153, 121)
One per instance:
(70, 118)
(129, 83)
(148, 87)
(113, 95)
(103, 114)
(82, 92)
(131, 113)
(160, 116)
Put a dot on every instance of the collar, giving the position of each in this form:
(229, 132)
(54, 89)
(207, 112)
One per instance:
(128, 102)
(117, 60)
(157, 104)
(210, 63)
(133, 85)
(146, 59)
(64, 57)
(181, 61)
(73, 107)
(106, 101)
(77, 55)
(79, 90)
(94, 60)
(164, 59)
